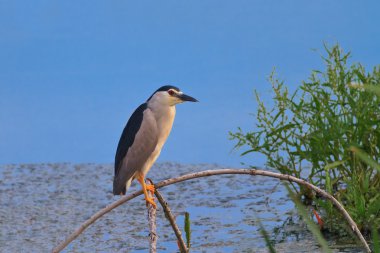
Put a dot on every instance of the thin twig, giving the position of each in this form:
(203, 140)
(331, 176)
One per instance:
(170, 217)
(152, 224)
(207, 173)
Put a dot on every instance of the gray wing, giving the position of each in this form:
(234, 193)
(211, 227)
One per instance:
(144, 143)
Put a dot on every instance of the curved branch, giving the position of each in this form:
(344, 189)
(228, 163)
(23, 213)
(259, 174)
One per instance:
(170, 217)
(207, 173)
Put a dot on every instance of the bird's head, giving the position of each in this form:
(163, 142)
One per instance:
(170, 95)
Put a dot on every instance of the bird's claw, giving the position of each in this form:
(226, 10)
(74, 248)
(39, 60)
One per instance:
(150, 187)
(151, 201)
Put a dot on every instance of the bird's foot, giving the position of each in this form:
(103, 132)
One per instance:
(151, 201)
(150, 187)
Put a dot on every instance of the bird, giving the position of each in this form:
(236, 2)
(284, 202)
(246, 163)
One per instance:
(143, 137)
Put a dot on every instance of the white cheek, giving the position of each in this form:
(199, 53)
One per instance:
(165, 96)
(173, 100)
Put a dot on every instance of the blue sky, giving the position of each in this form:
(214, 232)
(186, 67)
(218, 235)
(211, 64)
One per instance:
(72, 72)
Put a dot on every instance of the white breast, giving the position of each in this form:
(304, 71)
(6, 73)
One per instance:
(165, 117)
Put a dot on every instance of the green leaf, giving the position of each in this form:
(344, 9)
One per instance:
(375, 239)
(265, 234)
(281, 129)
(248, 151)
(187, 229)
(333, 165)
(365, 158)
(373, 88)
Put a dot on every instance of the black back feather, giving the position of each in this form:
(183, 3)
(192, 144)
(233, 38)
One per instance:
(128, 136)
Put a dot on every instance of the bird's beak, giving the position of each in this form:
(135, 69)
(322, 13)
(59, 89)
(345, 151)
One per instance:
(185, 97)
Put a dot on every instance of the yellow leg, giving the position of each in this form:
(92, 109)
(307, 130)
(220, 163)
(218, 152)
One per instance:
(145, 187)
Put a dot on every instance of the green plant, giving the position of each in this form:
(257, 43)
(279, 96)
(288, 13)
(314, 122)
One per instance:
(264, 233)
(310, 132)
(310, 224)
(375, 240)
(187, 229)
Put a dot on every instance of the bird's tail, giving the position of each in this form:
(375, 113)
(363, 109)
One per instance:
(120, 188)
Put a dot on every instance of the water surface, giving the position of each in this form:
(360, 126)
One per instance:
(40, 204)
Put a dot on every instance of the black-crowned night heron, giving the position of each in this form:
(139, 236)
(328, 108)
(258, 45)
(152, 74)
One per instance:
(143, 137)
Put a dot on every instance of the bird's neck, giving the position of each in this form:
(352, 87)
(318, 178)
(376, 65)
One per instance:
(164, 115)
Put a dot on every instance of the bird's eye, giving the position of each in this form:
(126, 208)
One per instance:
(171, 92)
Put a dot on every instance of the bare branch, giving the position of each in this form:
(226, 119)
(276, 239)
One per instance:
(93, 218)
(207, 173)
(171, 218)
(152, 224)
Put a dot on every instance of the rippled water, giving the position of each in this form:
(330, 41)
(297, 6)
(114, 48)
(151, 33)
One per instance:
(41, 204)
